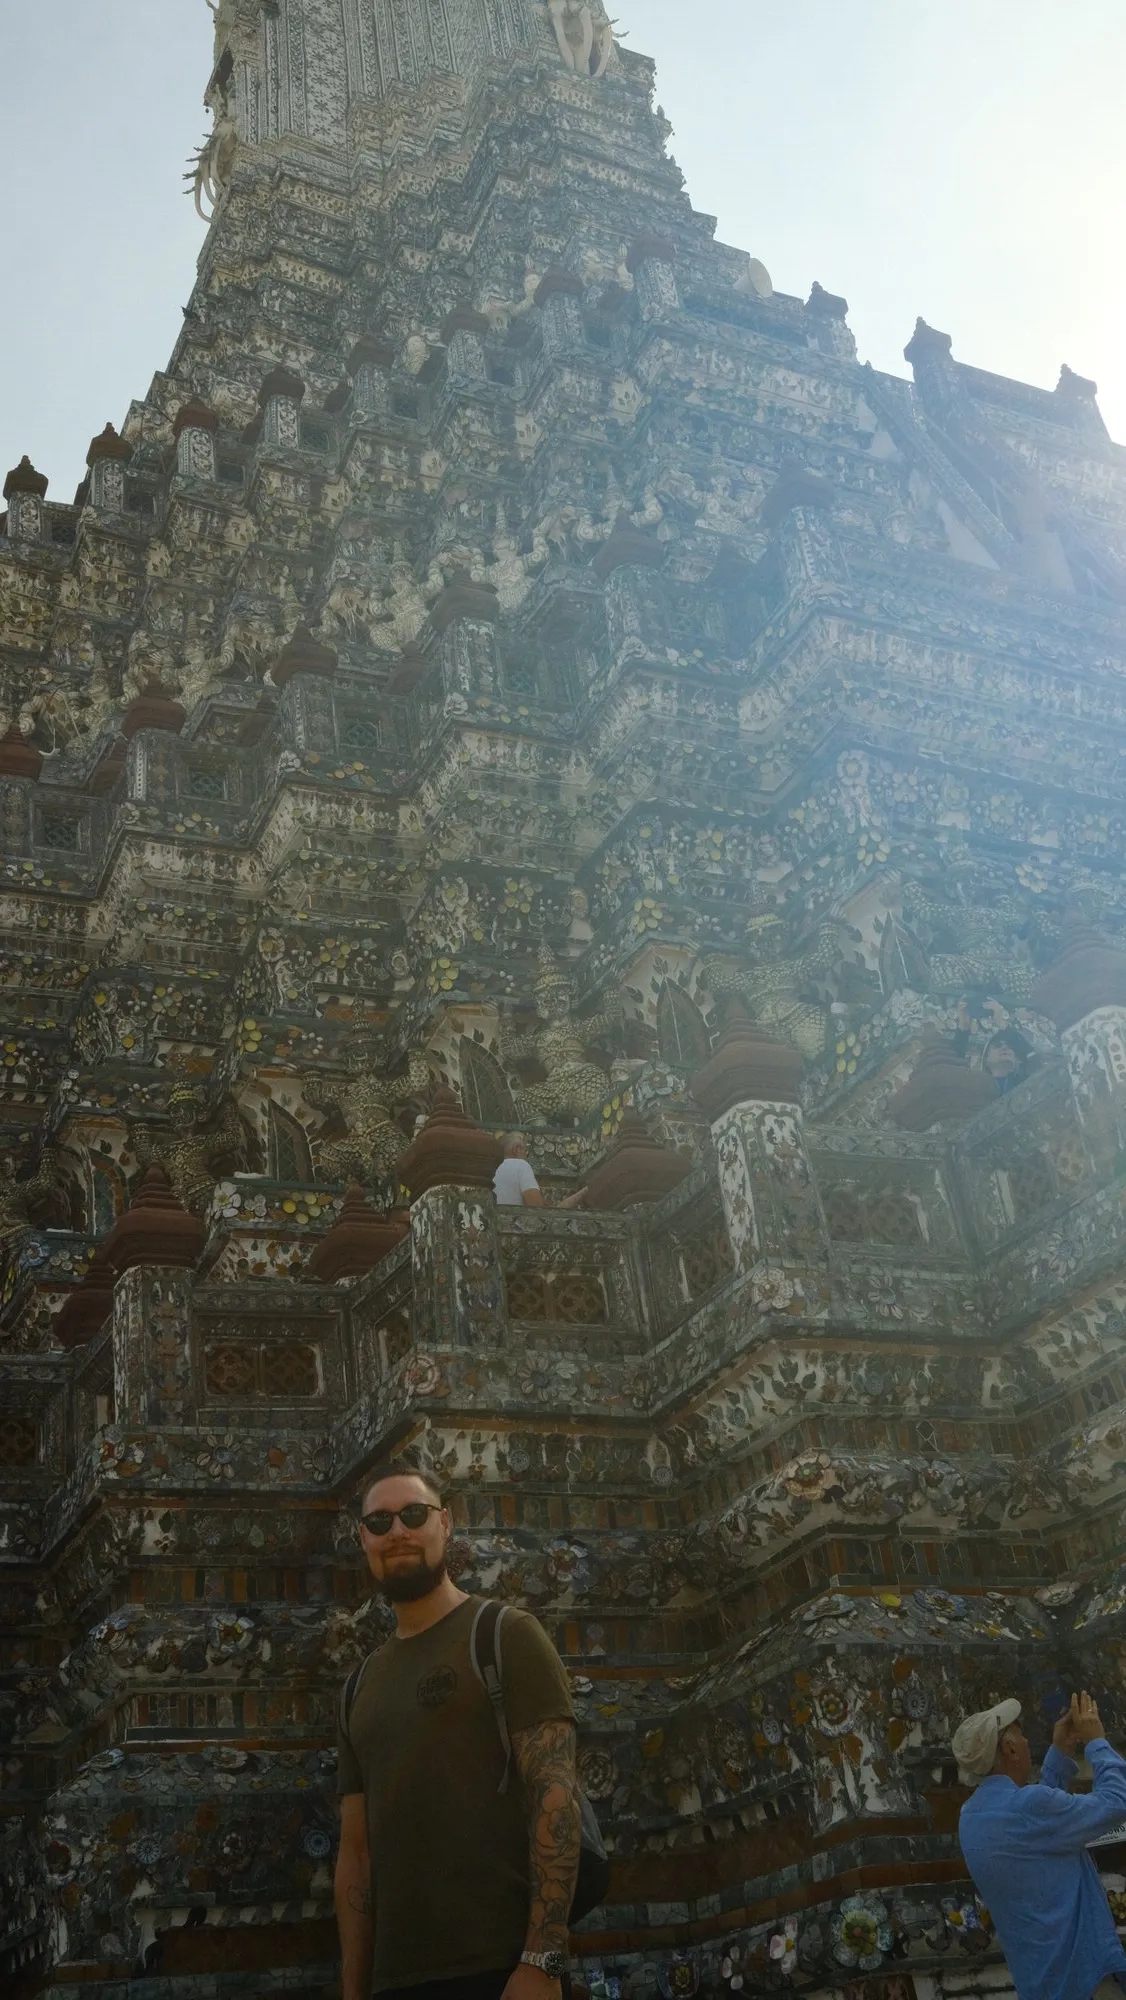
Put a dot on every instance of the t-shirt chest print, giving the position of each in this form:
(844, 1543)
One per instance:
(435, 1688)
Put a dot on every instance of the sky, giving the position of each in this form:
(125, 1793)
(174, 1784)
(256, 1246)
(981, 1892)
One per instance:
(962, 159)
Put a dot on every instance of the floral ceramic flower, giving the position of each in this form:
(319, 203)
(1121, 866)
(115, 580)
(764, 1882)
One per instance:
(680, 1978)
(218, 1462)
(969, 1921)
(811, 1478)
(731, 1969)
(773, 1291)
(872, 847)
(861, 1932)
(1032, 878)
(847, 1054)
(226, 1201)
(783, 1947)
(424, 1375)
(882, 1299)
(834, 1709)
(1059, 1256)
(227, 1637)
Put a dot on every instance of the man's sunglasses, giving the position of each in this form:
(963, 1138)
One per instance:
(413, 1515)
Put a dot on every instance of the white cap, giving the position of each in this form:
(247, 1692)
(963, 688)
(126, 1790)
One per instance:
(975, 1740)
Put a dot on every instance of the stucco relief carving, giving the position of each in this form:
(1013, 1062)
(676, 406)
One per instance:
(585, 35)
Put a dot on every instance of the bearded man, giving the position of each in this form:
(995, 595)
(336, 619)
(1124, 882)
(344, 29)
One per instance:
(451, 1884)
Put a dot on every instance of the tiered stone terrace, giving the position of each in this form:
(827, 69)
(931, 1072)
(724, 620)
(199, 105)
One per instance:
(512, 649)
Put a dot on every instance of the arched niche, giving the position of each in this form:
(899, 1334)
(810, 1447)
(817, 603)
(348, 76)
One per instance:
(485, 1095)
(682, 1032)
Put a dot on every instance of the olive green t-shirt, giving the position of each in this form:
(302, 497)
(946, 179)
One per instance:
(449, 1852)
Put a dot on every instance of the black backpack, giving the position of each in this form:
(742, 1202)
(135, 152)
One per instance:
(484, 1653)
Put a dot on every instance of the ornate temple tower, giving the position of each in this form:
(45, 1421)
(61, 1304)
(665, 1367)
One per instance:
(516, 667)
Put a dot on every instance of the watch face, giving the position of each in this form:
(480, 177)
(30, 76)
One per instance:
(555, 1964)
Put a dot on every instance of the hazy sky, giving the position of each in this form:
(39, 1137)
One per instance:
(962, 159)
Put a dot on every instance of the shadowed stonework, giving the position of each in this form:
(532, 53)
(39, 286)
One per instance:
(517, 670)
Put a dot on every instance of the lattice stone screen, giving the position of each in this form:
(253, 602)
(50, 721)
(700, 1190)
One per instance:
(576, 1297)
(256, 1371)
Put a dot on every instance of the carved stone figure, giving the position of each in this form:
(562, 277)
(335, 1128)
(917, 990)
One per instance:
(986, 950)
(21, 1195)
(212, 167)
(404, 607)
(510, 573)
(199, 1143)
(575, 1085)
(364, 1103)
(777, 994)
(585, 35)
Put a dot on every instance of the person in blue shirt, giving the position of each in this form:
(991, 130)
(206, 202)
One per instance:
(1026, 1847)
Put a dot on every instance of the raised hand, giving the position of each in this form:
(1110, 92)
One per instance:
(1088, 1723)
(1065, 1735)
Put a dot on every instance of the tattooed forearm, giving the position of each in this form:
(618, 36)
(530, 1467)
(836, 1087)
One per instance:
(353, 1896)
(546, 1760)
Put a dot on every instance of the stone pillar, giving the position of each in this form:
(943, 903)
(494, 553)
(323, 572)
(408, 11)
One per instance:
(369, 366)
(636, 614)
(652, 261)
(459, 1292)
(561, 316)
(280, 399)
(830, 323)
(1084, 993)
(932, 363)
(798, 509)
(152, 1358)
(463, 333)
(194, 431)
(152, 1249)
(635, 617)
(107, 459)
(465, 615)
(25, 491)
(749, 1091)
(1078, 397)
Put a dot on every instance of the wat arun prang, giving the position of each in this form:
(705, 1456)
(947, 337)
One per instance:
(515, 668)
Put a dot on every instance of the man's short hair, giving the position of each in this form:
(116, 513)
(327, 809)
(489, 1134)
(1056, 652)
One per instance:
(511, 1141)
(401, 1468)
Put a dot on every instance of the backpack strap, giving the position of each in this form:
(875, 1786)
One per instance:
(484, 1655)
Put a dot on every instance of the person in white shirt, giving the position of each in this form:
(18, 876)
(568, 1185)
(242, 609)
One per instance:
(515, 1184)
(514, 1181)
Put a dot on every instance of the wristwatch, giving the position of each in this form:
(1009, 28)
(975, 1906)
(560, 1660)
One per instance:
(554, 1963)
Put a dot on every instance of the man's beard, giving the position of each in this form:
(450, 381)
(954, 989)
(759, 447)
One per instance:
(406, 1586)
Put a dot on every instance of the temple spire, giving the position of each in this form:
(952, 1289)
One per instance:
(298, 67)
